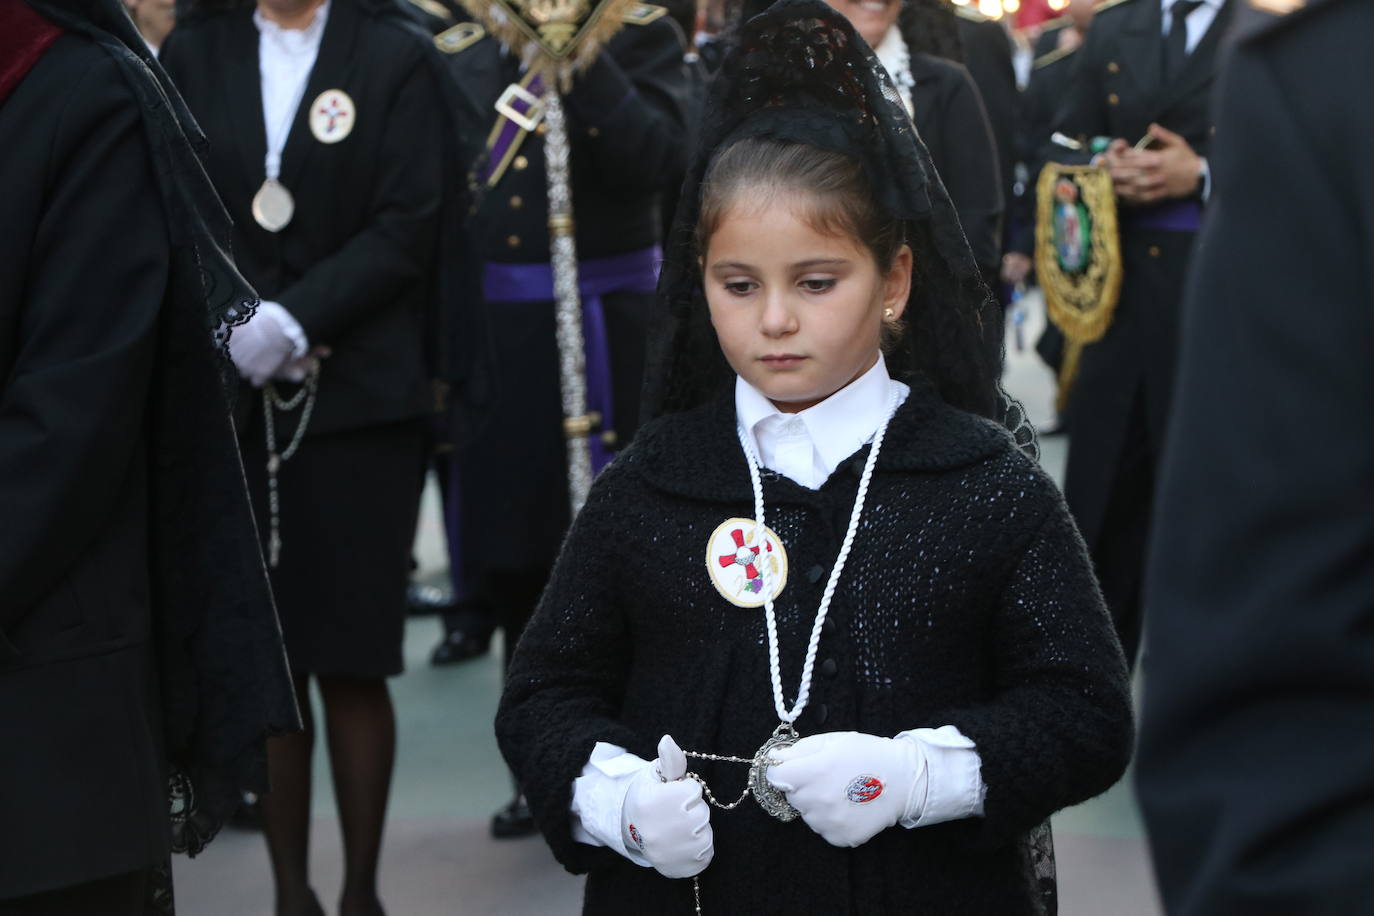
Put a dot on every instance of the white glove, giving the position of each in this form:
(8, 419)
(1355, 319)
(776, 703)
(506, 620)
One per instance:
(261, 347)
(849, 786)
(666, 818)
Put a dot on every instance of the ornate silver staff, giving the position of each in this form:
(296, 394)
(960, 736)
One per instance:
(555, 39)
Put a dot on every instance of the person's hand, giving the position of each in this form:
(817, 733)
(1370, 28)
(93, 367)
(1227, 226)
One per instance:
(666, 818)
(296, 370)
(849, 786)
(1015, 268)
(1146, 176)
(260, 348)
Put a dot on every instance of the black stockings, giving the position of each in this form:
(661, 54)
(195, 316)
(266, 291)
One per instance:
(361, 735)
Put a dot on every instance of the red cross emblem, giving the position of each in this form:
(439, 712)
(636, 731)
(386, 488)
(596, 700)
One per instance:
(745, 556)
(335, 112)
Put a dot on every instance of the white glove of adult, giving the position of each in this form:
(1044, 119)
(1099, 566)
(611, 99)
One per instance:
(666, 818)
(262, 346)
(849, 786)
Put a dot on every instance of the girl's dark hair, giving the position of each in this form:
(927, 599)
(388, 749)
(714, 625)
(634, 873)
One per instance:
(837, 196)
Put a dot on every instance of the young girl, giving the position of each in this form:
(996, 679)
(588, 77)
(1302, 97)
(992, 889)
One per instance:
(853, 606)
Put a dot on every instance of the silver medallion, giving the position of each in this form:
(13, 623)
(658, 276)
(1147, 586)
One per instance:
(273, 206)
(765, 793)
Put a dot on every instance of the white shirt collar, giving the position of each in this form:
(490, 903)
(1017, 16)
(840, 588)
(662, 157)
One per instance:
(295, 40)
(837, 427)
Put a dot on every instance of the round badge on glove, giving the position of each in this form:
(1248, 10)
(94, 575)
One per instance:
(863, 789)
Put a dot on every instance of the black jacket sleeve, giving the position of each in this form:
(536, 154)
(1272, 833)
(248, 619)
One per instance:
(567, 679)
(395, 248)
(629, 110)
(1081, 111)
(73, 403)
(968, 164)
(1057, 728)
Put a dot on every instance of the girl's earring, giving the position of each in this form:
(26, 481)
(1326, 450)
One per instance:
(888, 314)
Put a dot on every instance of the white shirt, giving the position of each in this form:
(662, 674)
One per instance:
(285, 59)
(807, 447)
(1198, 22)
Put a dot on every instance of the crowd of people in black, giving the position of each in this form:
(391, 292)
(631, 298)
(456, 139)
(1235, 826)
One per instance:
(270, 264)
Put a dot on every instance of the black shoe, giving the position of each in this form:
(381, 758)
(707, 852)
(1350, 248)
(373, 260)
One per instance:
(466, 636)
(512, 821)
(426, 600)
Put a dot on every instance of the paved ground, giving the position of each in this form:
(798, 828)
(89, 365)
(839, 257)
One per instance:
(438, 859)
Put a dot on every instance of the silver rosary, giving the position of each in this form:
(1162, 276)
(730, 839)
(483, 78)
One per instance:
(271, 403)
(785, 735)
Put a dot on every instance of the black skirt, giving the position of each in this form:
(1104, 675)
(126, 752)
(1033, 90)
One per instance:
(349, 502)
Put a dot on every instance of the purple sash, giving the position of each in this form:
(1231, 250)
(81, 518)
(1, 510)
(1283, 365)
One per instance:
(1175, 216)
(635, 272)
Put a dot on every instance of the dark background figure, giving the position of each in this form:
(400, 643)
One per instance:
(987, 53)
(1256, 770)
(1123, 88)
(355, 271)
(138, 644)
(626, 121)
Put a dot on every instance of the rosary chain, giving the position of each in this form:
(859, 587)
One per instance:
(272, 402)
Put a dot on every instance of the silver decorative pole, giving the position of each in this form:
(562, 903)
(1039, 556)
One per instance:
(578, 424)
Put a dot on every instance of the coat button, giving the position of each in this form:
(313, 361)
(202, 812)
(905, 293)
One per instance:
(521, 163)
(829, 668)
(608, 439)
(517, 202)
(829, 628)
(814, 574)
(1112, 99)
(593, 132)
(1154, 251)
(542, 129)
(822, 713)
(1113, 67)
(513, 241)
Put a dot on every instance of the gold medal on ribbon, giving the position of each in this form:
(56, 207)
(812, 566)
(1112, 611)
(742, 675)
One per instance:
(736, 559)
(273, 206)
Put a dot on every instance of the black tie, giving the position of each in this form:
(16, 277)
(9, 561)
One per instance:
(1176, 44)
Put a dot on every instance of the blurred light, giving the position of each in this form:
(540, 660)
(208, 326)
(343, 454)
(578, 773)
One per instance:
(961, 2)
(1058, 5)
(1011, 6)
(990, 8)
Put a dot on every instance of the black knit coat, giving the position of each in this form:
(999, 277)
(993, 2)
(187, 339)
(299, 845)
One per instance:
(968, 600)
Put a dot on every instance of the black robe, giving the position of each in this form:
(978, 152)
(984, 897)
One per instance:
(968, 600)
(1256, 770)
(137, 638)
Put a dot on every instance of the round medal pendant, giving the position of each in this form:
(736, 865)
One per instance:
(332, 116)
(736, 558)
(273, 206)
(768, 796)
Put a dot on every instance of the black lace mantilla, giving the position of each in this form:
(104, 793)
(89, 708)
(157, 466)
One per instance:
(799, 73)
